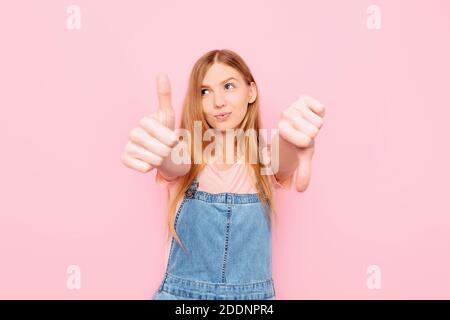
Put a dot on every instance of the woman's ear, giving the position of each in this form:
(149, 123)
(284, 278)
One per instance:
(253, 92)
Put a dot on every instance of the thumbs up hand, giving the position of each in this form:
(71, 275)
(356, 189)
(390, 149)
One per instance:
(299, 125)
(151, 142)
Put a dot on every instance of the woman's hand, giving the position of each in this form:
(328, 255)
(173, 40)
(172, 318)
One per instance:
(151, 142)
(299, 125)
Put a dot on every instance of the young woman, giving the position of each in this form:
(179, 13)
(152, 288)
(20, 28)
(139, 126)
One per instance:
(221, 212)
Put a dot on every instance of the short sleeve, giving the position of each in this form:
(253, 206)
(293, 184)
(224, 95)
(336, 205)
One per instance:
(286, 184)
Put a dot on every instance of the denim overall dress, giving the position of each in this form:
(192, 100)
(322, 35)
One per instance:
(227, 252)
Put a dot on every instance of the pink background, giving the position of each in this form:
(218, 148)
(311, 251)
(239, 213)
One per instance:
(379, 193)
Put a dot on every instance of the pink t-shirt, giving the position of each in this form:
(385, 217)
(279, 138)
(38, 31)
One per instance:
(236, 179)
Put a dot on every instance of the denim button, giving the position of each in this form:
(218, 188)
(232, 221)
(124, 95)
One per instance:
(189, 194)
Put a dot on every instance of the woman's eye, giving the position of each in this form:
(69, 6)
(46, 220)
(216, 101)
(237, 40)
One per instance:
(227, 86)
(229, 83)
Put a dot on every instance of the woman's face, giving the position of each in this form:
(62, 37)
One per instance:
(224, 91)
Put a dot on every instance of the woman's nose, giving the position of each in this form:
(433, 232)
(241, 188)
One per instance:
(219, 100)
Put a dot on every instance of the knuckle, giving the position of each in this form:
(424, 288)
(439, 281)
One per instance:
(134, 135)
(128, 148)
(166, 151)
(285, 113)
(143, 121)
(297, 119)
(145, 168)
(320, 122)
(307, 140)
(281, 126)
(315, 131)
(158, 161)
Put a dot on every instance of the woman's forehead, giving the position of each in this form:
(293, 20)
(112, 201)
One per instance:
(219, 73)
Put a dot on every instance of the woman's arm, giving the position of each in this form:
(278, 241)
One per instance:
(293, 146)
(286, 163)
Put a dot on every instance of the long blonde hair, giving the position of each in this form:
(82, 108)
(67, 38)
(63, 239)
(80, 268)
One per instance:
(192, 111)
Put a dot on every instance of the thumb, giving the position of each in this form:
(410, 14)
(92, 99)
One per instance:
(165, 110)
(303, 175)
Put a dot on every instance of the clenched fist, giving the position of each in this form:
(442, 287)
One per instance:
(151, 142)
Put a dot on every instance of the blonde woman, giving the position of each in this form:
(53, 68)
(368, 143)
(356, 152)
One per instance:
(221, 203)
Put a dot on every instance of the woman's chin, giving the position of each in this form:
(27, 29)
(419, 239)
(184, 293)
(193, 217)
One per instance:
(222, 127)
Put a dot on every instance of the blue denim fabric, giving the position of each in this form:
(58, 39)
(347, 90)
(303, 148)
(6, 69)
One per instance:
(227, 249)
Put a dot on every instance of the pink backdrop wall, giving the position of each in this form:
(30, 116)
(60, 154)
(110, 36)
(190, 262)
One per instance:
(379, 190)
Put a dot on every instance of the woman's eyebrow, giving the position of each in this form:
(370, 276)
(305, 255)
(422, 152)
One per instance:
(206, 86)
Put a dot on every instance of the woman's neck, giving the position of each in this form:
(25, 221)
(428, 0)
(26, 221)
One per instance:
(221, 143)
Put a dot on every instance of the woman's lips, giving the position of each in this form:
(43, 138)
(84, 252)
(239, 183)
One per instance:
(223, 116)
